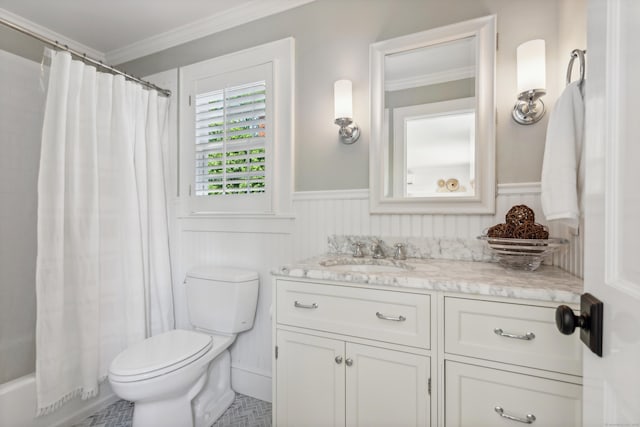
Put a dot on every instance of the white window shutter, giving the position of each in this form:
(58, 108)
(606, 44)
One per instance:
(230, 140)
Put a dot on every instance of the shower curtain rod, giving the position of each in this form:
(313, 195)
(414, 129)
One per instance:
(83, 56)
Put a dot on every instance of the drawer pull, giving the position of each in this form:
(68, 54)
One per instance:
(529, 419)
(395, 319)
(527, 337)
(309, 306)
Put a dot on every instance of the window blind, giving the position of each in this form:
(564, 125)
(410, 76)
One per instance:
(230, 140)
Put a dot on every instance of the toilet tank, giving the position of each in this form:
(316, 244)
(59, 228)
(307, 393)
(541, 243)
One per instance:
(222, 299)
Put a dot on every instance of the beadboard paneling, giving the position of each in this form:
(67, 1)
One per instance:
(320, 214)
(258, 251)
(230, 242)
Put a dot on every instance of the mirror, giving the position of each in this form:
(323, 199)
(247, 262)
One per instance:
(433, 121)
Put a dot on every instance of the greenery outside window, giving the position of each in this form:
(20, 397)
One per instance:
(231, 131)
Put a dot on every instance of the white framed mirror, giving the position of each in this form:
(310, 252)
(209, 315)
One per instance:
(433, 120)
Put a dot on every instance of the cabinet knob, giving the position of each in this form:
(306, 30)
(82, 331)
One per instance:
(349, 361)
(338, 359)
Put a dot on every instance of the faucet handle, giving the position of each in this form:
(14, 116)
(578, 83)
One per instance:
(400, 252)
(376, 250)
(357, 250)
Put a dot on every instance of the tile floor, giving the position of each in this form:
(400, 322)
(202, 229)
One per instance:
(245, 411)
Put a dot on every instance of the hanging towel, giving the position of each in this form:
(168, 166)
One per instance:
(562, 174)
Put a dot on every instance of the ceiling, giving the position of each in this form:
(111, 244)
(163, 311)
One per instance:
(111, 25)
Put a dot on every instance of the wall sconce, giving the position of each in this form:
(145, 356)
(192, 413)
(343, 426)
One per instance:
(349, 131)
(531, 82)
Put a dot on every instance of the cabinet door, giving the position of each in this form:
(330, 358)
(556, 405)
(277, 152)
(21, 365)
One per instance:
(482, 397)
(310, 381)
(386, 387)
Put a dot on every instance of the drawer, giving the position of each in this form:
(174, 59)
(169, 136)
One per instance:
(499, 331)
(395, 317)
(476, 396)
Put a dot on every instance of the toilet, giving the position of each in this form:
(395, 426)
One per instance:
(182, 378)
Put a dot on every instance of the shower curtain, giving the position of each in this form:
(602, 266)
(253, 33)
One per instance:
(103, 278)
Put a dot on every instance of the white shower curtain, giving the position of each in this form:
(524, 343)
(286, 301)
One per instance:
(103, 277)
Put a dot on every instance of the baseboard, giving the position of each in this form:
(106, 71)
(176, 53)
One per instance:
(251, 382)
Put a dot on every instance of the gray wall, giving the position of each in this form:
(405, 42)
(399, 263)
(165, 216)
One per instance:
(20, 44)
(332, 42)
(21, 115)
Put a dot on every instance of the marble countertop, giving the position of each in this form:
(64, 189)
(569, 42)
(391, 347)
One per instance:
(470, 277)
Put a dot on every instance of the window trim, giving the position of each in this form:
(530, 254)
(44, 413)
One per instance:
(280, 54)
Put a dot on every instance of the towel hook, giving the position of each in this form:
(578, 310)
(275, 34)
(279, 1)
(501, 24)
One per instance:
(576, 53)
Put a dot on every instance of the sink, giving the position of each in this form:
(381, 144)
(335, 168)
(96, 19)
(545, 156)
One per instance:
(367, 268)
(366, 265)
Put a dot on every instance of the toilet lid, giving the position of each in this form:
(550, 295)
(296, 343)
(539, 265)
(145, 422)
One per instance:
(159, 355)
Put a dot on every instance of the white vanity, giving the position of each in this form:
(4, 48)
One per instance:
(423, 342)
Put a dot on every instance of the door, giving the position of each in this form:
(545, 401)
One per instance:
(386, 387)
(612, 211)
(310, 381)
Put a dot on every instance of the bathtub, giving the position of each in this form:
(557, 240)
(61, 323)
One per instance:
(18, 405)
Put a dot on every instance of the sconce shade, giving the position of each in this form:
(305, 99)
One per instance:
(343, 112)
(532, 82)
(531, 65)
(342, 99)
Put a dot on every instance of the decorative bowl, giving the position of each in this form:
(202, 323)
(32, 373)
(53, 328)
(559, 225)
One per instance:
(523, 254)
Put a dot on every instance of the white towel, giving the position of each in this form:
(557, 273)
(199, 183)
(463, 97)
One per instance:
(562, 175)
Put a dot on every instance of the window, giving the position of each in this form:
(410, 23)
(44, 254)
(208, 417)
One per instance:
(231, 137)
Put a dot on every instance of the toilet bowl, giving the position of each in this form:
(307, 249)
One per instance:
(181, 378)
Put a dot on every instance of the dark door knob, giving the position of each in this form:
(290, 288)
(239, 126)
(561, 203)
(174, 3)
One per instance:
(567, 322)
(589, 321)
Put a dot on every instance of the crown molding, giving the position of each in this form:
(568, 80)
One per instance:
(229, 18)
(46, 32)
(430, 79)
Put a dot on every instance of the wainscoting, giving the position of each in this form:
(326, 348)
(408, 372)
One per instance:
(257, 244)
(262, 243)
(322, 213)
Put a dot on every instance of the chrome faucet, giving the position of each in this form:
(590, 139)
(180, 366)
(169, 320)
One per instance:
(357, 250)
(376, 250)
(400, 253)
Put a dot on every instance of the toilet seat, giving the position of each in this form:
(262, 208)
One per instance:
(159, 355)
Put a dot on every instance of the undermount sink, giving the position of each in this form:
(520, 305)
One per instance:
(366, 265)
(366, 268)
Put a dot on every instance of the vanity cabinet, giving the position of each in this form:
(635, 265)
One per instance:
(351, 356)
(329, 382)
(505, 363)
(364, 355)
(310, 381)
